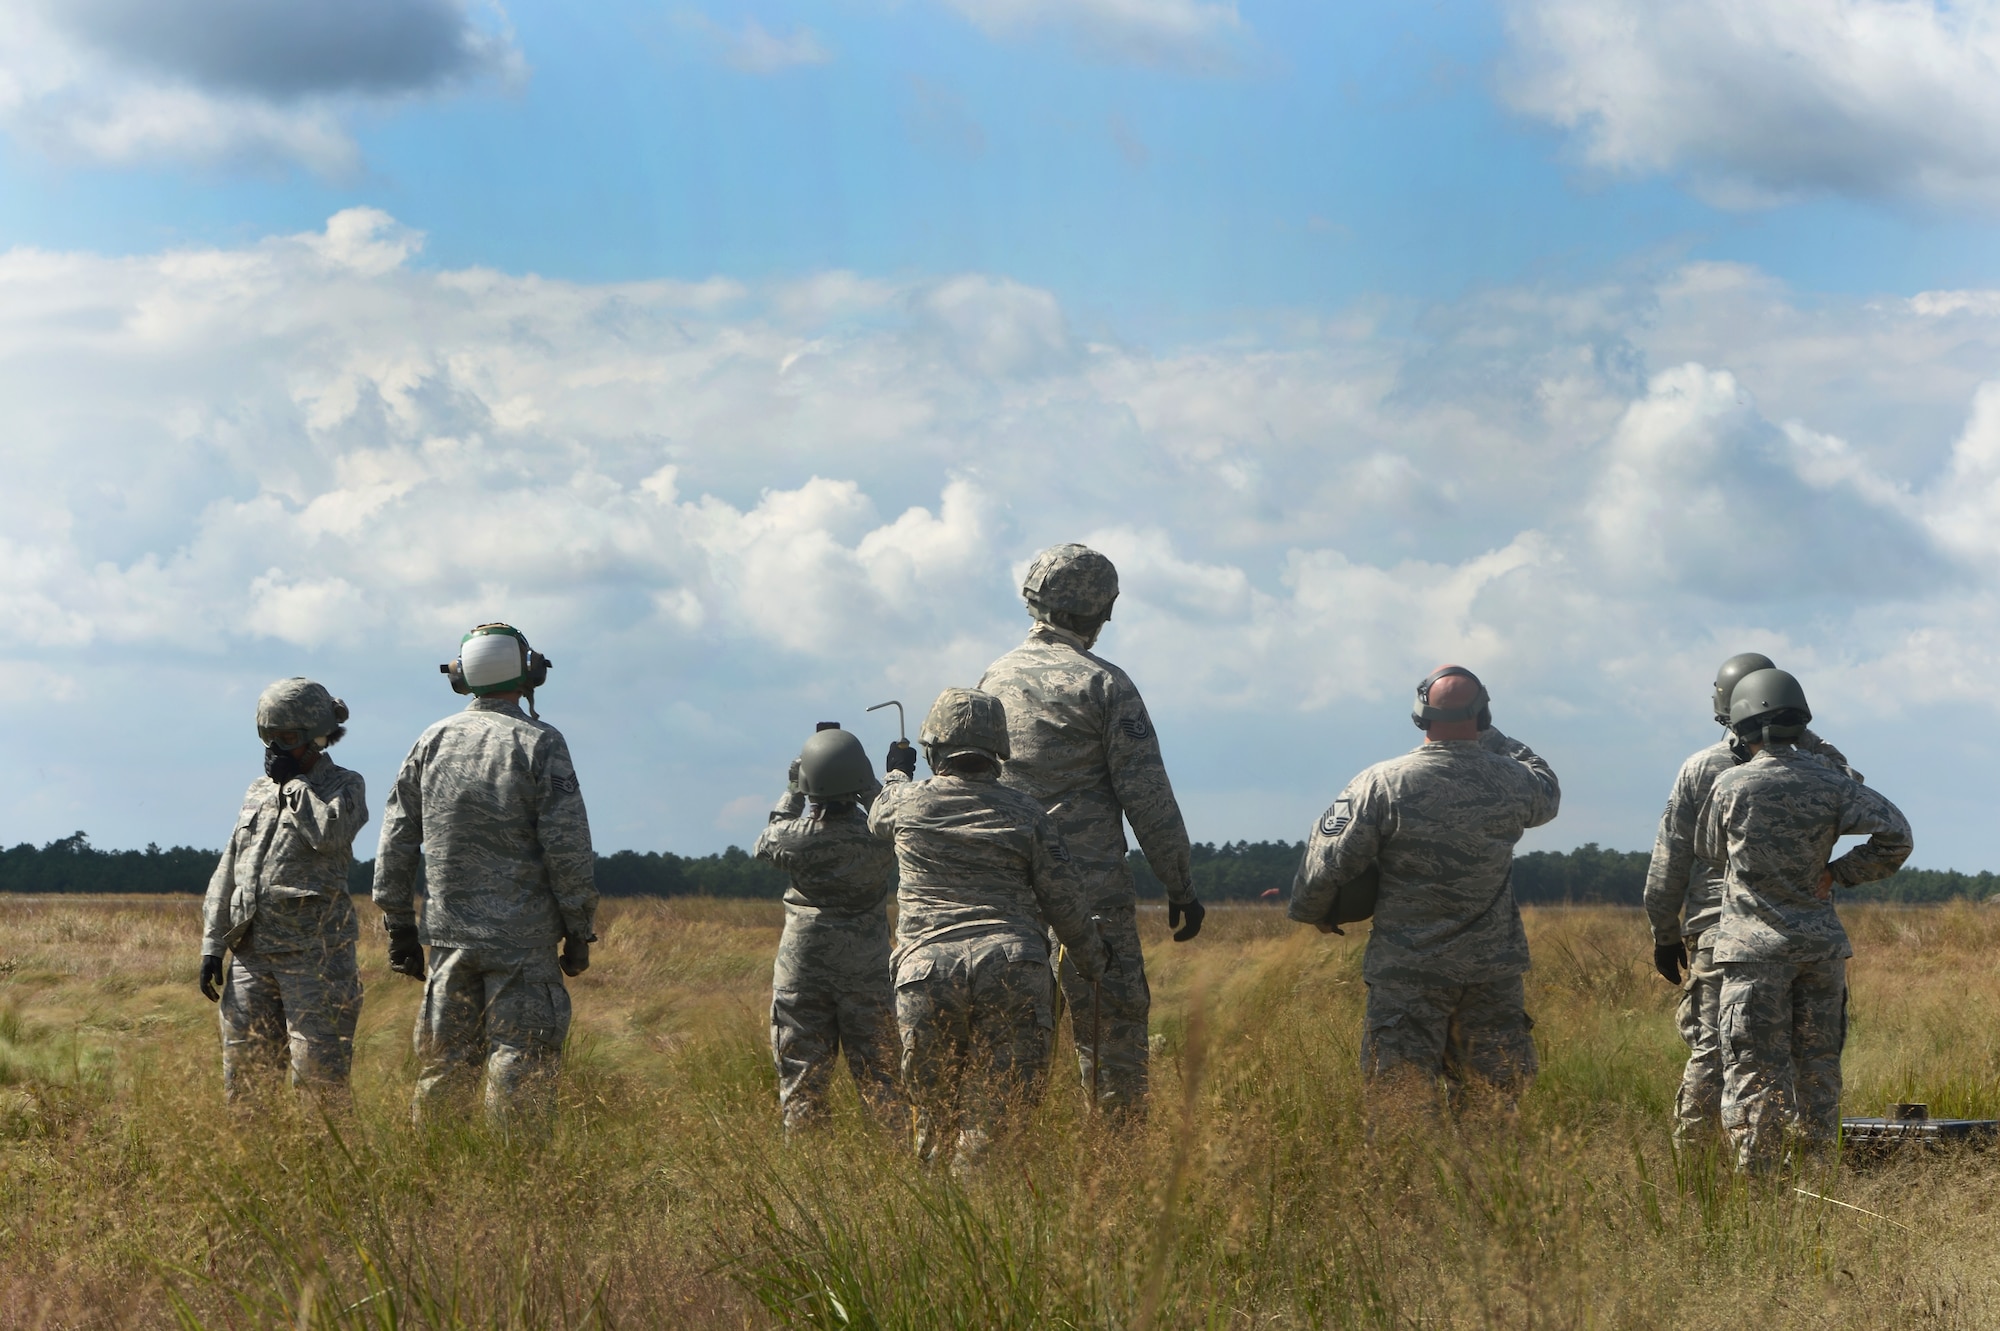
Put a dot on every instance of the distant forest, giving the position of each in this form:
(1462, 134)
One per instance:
(1240, 871)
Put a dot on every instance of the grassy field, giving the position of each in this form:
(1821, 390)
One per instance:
(1254, 1197)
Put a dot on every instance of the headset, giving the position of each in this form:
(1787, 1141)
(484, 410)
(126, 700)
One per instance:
(1479, 709)
(534, 666)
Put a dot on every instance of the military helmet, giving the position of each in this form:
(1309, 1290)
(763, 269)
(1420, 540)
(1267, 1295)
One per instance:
(1734, 669)
(1768, 704)
(834, 766)
(298, 706)
(962, 720)
(1071, 580)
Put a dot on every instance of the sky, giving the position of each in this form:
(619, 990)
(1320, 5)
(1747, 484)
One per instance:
(744, 354)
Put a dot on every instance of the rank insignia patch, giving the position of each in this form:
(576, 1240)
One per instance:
(1337, 818)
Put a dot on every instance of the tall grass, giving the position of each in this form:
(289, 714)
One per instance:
(1261, 1192)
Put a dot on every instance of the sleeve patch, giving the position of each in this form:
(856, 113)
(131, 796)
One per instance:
(1337, 818)
(565, 783)
(1135, 726)
(1058, 851)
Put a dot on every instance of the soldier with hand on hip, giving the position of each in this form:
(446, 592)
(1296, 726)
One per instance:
(1437, 827)
(490, 798)
(278, 902)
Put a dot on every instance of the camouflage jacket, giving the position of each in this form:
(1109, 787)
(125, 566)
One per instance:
(974, 860)
(837, 908)
(1772, 823)
(298, 842)
(1440, 824)
(1683, 893)
(1083, 744)
(492, 800)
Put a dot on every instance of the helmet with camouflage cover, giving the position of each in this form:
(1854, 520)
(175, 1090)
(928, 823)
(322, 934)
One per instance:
(965, 721)
(834, 766)
(1070, 580)
(1734, 669)
(302, 711)
(1768, 705)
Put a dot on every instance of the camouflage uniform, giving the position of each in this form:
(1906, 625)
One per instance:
(492, 800)
(830, 988)
(983, 873)
(278, 900)
(1447, 951)
(1683, 902)
(1783, 1012)
(1082, 742)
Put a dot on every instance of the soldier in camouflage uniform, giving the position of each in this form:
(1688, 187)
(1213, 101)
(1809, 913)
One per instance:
(1771, 823)
(830, 989)
(278, 901)
(983, 875)
(1084, 748)
(1684, 900)
(1446, 956)
(491, 799)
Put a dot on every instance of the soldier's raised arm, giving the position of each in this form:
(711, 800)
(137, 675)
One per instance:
(1548, 800)
(1866, 812)
(326, 824)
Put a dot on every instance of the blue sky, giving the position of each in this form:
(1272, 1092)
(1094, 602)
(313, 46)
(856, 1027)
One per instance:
(744, 354)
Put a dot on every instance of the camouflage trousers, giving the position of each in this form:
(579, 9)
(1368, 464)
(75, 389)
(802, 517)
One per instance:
(501, 1011)
(975, 1016)
(811, 1028)
(1781, 1026)
(1109, 1020)
(296, 1008)
(1450, 1032)
(1698, 1104)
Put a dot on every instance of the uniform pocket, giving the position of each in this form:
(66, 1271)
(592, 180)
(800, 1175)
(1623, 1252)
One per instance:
(914, 970)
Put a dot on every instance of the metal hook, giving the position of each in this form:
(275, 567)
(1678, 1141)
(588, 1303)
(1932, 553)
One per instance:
(902, 731)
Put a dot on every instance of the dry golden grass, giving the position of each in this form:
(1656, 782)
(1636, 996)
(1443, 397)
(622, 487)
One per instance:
(129, 1197)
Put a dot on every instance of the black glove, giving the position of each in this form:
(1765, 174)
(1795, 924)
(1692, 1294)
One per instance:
(576, 953)
(211, 978)
(1668, 959)
(406, 952)
(902, 758)
(1195, 913)
(280, 766)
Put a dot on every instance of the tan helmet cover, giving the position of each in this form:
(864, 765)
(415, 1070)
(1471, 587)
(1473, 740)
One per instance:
(962, 720)
(1072, 580)
(299, 705)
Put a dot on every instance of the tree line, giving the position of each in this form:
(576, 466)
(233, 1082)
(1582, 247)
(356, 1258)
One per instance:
(1225, 871)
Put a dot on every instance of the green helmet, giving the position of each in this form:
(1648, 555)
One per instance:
(834, 766)
(1071, 580)
(300, 707)
(1768, 704)
(965, 720)
(1735, 668)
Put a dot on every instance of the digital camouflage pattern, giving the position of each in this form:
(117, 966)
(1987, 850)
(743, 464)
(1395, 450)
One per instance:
(1772, 823)
(1698, 1103)
(289, 844)
(293, 1009)
(1440, 823)
(830, 988)
(1070, 580)
(1684, 892)
(1109, 1019)
(1781, 1027)
(1455, 1031)
(983, 877)
(500, 1011)
(297, 704)
(491, 799)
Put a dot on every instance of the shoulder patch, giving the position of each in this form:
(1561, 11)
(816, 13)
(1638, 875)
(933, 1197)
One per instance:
(1337, 818)
(1135, 726)
(565, 782)
(1059, 851)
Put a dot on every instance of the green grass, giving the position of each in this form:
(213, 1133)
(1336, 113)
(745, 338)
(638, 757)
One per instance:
(1262, 1192)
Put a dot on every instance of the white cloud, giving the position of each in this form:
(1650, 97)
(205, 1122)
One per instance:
(1758, 101)
(1203, 36)
(755, 49)
(729, 511)
(232, 84)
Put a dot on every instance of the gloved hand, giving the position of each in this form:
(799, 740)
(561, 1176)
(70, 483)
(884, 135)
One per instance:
(280, 766)
(406, 950)
(1669, 959)
(1195, 913)
(211, 978)
(576, 953)
(792, 778)
(902, 758)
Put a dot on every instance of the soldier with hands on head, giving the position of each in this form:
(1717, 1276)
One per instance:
(984, 876)
(1084, 748)
(278, 902)
(1684, 901)
(1438, 827)
(1772, 823)
(830, 989)
(491, 800)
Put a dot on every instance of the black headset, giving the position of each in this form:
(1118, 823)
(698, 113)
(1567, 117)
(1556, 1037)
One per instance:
(1479, 709)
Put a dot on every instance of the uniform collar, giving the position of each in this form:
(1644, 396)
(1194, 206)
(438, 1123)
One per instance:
(505, 706)
(1047, 632)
